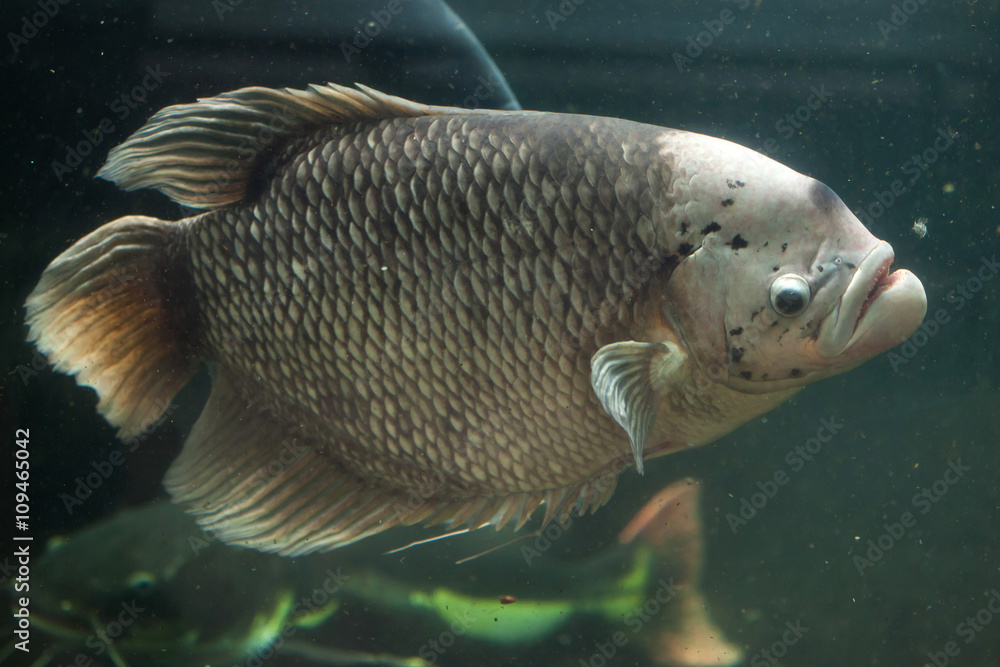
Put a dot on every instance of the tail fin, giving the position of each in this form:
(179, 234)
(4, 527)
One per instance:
(672, 512)
(686, 636)
(100, 312)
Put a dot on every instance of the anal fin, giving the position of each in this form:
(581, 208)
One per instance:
(252, 480)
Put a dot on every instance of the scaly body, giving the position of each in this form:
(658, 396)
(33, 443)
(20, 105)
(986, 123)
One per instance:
(444, 315)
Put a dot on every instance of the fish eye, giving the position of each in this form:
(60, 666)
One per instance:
(790, 294)
(141, 582)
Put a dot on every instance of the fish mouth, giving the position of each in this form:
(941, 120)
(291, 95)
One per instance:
(877, 311)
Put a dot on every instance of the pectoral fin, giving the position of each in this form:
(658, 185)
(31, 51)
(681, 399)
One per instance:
(628, 378)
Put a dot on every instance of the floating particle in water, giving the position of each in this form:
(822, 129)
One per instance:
(920, 227)
(507, 599)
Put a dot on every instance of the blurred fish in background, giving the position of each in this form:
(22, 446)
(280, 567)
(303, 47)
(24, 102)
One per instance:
(148, 587)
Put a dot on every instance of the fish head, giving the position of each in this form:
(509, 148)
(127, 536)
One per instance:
(786, 286)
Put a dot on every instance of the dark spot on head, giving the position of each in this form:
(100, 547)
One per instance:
(764, 376)
(774, 268)
(784, 247)
(765, 244)
(796, 373)
(736, 353)
(823, 197)
(774, 323)
(684, 228)
(820, 268)
(685, 249)
(732, 185)
(711, 227)
(756, 313)
(727, 202)
(738, 242)
(746, 375)
(850, 266)
(736, 332)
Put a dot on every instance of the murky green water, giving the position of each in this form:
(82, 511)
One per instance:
(861, 513)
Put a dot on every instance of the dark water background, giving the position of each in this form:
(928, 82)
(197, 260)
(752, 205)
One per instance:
(889, 89)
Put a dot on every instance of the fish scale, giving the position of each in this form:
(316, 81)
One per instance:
(429, 314)
(496, 378)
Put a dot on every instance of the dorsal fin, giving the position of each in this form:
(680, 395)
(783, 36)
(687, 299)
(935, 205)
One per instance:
(203, 155)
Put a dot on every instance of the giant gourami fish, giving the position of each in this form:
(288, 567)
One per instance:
(190, 600)
(429, 314)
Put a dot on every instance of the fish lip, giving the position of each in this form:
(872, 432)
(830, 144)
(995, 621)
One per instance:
(882, 281)
(877, 310)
